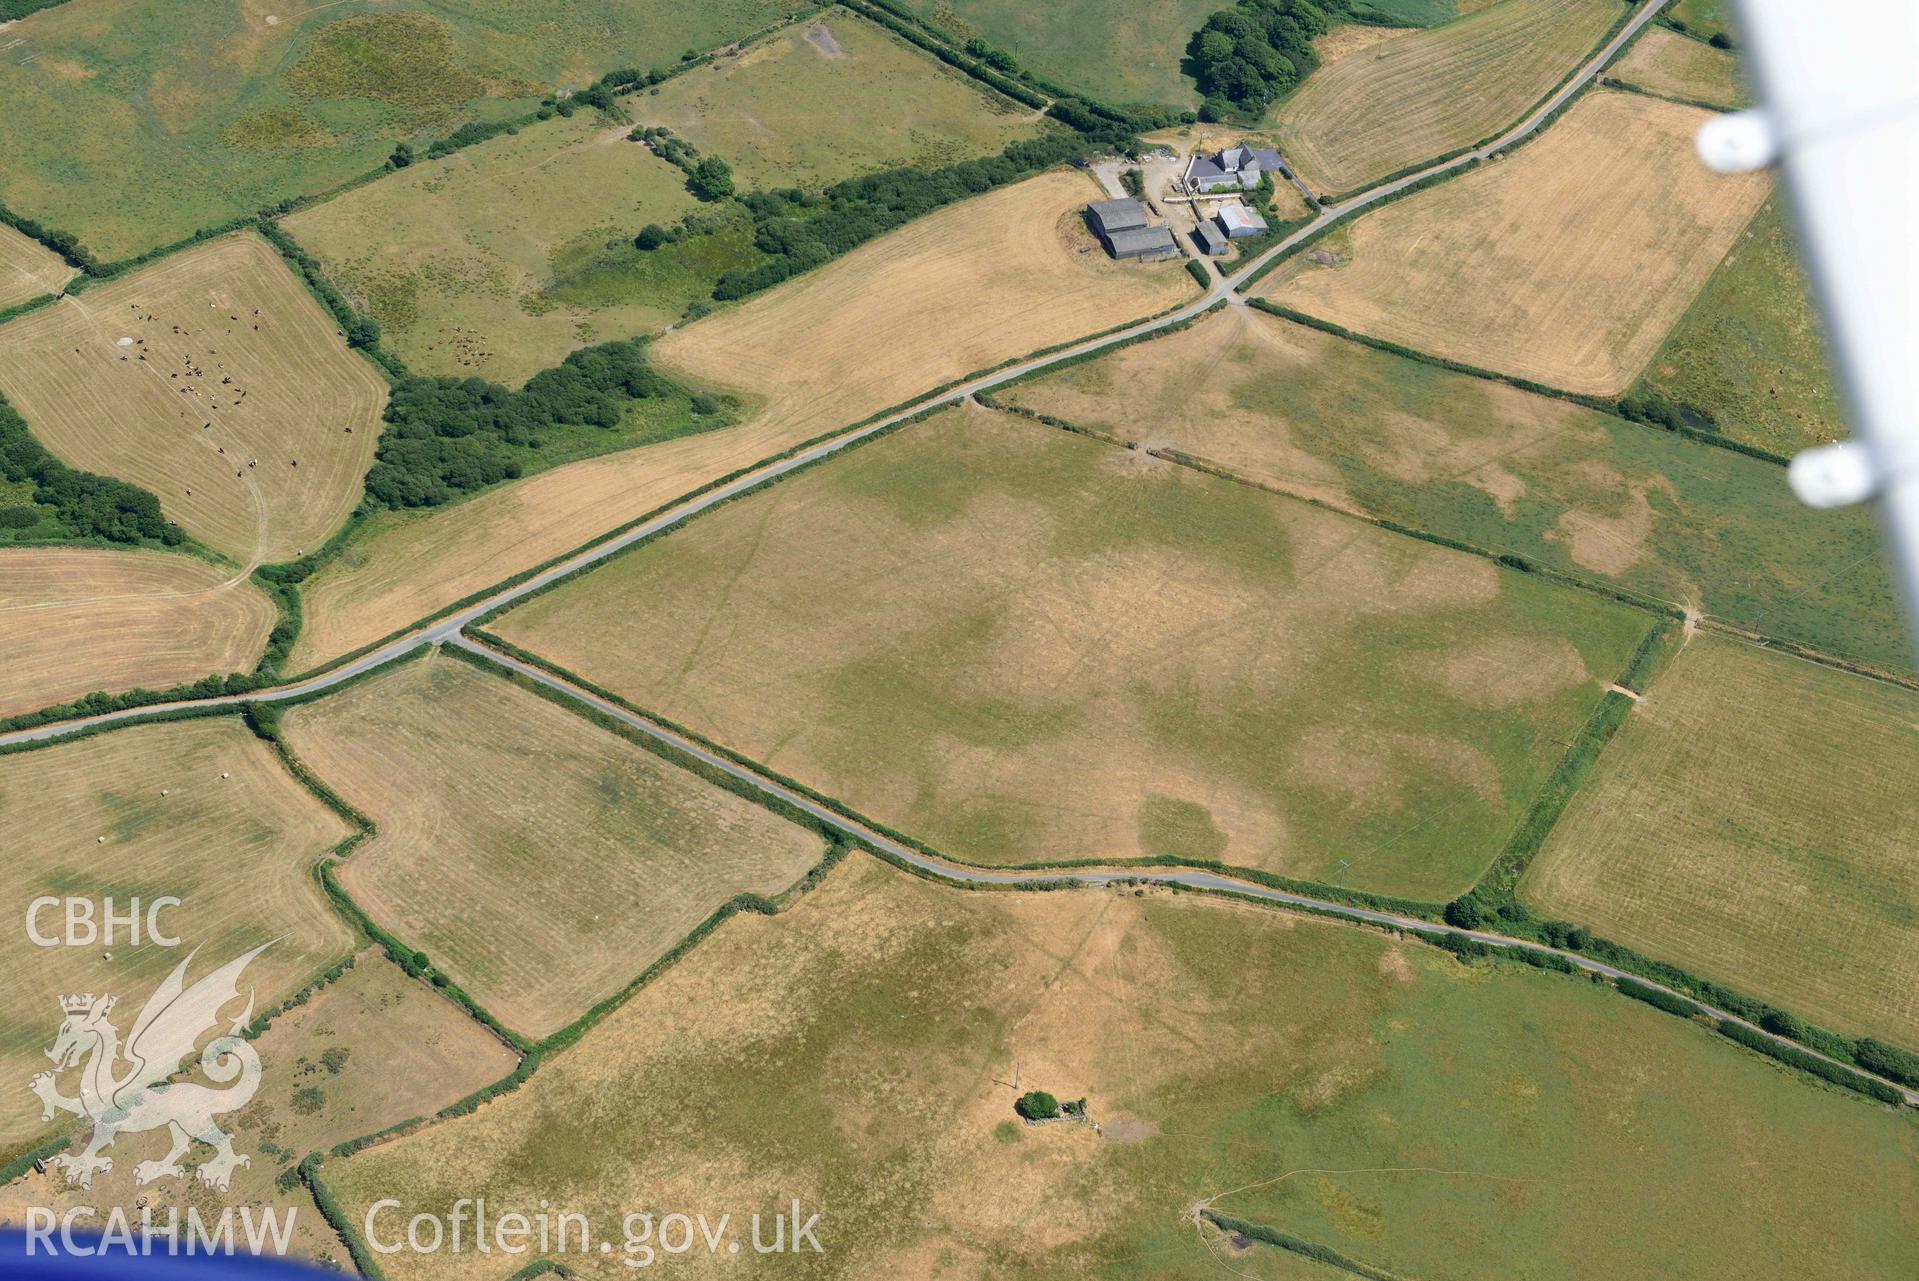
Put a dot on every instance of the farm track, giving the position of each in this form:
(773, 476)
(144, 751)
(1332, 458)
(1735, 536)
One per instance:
(450, 630)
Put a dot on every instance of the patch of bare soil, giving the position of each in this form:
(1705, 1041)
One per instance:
(1127, 1130)
(1512, 669)
(822, 39)
(1350, 38)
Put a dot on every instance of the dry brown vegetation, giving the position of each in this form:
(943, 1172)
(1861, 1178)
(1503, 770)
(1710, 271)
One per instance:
(541, 861)
(972, 285)
(1752, 823)
(28, 270)
(74, 620)
(1666, 63)
(1420, 94)
(1565, 263)
(214, 379)
(371, 1049)
(1358, 1091)
(201, 810)
(1284, 406)
(978, 282)
(1021, 645)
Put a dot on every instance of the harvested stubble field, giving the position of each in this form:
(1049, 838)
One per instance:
(454, 257)
(1427, 93)
(237, 850)
(1022, 645)
(1752, 823)
(1565, 263)
(832, 99)
(1358, 1091)
(371, 1049)
(74, 620)
(1617, 503)
(215, 380)
(1749, 353)
(1671, 65)
(134, 123)
(27, 270)
(483, 791)
(961, 289)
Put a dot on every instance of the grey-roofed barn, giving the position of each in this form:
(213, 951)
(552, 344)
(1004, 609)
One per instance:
(1210, 239)
(1109, 216)
(1143, 242)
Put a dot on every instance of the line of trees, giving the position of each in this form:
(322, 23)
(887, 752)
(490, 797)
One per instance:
(449, 436)
(86, 505)
(799, 230)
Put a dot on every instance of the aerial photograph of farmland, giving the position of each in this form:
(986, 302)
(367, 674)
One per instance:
(957, 639)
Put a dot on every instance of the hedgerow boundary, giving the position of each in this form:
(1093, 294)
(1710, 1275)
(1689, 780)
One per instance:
(1867, 1057)
(1507, 559)
(262, 1020)
(1598, 403)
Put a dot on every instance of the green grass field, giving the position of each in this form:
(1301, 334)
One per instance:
(480, 263)
(133, 123)
(1749, 353)
(1123, 54)
(1703, 18)
(1751, 823)
(1441, 1122)
(1613, 502)
(1021, 645)
(827, 100)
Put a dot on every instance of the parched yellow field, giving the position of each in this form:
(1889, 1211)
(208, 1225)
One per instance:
(1367, 1094)
(214, 379)
(1021, 645)
(541, 861)
(978, 282)
(1425, 93)
(825, 100)
(974, 284)
(1565, 263)
(1752, 822)
(28, 270)
(451, 256)
(1664, 62)
(74, 620)
(371, 1049)
(146, 812)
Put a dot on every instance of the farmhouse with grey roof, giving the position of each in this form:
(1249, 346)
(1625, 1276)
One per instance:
(1234, 168)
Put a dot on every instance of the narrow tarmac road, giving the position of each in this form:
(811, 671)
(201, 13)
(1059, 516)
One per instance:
(449, 630)
(433, 633)
(1193, 879)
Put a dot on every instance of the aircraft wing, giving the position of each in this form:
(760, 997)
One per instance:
(1838, 86)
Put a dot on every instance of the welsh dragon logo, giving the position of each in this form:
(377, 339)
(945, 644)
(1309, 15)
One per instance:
(124, 1088)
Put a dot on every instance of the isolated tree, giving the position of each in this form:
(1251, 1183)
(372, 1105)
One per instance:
(402, 156)
(710, 179)
(651, 237)
(1037, 1105)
